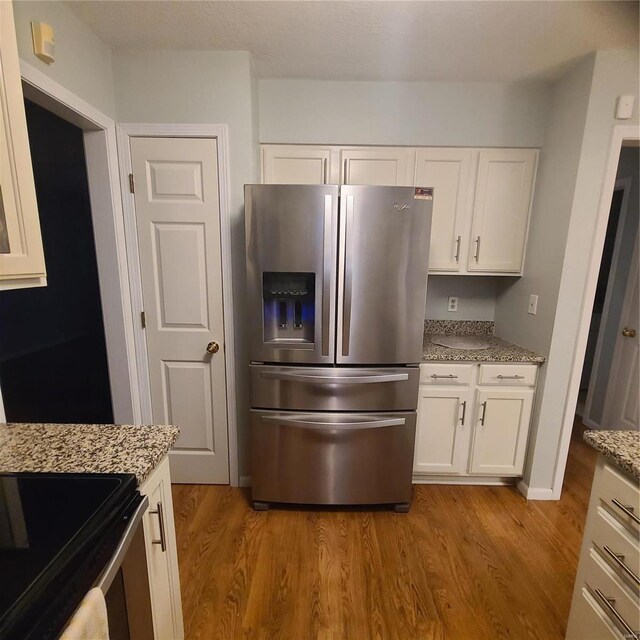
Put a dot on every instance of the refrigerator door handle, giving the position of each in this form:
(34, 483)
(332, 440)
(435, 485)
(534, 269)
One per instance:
(366, 379)
(348, 277)
(300, 421)
(326, 275)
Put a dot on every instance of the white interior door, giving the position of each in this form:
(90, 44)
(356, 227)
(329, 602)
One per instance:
(621, 405)
(178, 223)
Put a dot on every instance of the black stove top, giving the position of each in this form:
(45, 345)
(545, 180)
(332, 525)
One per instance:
(57, 532)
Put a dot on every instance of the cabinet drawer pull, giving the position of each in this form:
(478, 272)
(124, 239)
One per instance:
(618, 558)
(457, 256)
(608, 603)
(447, 377)
(626, 509)
(516, 377)
(464, 412)
(163, 539)
(484, 413)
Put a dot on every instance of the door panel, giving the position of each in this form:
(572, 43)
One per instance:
(501, 210)
(177, 216)
(295, 164)
(332, 458)
(501, 431)
(447, 171)
(377, 166)
(442, 435)
(334, 388)
(382, 275)
(291, 230)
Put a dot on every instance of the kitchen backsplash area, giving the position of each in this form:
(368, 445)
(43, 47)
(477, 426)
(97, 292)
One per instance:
(476, 297)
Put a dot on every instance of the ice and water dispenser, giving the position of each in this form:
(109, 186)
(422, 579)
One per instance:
(289, 307)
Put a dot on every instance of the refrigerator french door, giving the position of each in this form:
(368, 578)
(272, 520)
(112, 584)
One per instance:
(336, 280)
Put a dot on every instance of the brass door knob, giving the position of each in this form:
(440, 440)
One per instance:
(629, 333)
(213, 347)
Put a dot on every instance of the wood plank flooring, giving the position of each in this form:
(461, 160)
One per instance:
(466, 562)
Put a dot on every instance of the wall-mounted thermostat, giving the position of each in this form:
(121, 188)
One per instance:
(44, 45)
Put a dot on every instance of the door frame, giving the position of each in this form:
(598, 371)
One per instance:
(623, 184)
(124, 132)
(628, 294)
(99, 134)
(619, 134)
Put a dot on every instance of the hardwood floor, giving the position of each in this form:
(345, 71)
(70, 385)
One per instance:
(466, 562)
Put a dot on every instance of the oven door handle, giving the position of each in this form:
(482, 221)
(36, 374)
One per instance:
(366, 379)
(300, 421)
(110, 571)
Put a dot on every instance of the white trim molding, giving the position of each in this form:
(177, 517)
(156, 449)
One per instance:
(535, 493)
(620, 133)
(126, 131)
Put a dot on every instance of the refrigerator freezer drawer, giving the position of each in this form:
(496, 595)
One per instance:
(329, 458)
(334, 388)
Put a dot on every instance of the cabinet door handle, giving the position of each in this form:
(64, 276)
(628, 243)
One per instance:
(163, 538)
(516, 377)
(477, 253)
(618, 558)
(484, 412)
(608, 603)
(447, 377)
(459, 239)
(464, 412)
(626, 509)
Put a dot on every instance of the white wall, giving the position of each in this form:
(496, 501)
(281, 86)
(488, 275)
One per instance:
(563, 222)
(629, 167)
(476, 297)
(83, 61)
(403, 113)
(212, 87)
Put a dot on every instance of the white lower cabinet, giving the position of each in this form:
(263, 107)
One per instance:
(162, 555)
(467, 427)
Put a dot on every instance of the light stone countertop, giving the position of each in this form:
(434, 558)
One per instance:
(621, 447)
(85, 448)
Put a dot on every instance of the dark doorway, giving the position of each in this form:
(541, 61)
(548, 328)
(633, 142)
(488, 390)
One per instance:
(53, 360)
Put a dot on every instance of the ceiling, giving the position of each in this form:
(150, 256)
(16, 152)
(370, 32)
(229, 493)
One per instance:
(376, 40)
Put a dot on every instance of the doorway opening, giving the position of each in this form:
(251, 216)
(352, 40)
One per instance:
(53, 357)
(611, 358)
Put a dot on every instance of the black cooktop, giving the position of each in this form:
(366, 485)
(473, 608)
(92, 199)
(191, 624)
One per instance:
(57, 532)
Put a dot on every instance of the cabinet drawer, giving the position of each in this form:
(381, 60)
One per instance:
(508, 374)
(589, 622)
(616, 488)
(446, 373)
(598, 575)
(609, 533)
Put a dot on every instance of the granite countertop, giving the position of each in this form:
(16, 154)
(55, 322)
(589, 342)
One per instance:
(499, 350)
(621, 447)
(85, 448)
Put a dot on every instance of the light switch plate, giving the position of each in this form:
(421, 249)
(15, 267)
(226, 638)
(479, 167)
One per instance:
(533, 305)
(452, 305)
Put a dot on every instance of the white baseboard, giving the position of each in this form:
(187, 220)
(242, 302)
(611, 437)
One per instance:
(462, 480)
(535, 493)
(587, 422)
(245, 481)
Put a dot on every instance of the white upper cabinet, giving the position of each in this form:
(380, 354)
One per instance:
(384, 166)
(501, 210)
(296, 164)
(447, 171)
(21, 254)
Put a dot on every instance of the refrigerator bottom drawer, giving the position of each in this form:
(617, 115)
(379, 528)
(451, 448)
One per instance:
(332, 459)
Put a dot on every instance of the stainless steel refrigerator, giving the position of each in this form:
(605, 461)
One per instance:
(337, 280)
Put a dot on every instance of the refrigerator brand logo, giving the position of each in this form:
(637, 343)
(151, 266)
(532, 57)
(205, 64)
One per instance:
(401, 207)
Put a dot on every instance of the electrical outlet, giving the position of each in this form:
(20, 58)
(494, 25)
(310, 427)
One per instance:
(533, 305)
(453, 303)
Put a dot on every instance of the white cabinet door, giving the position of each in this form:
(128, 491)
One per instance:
(443, 427)
(500, 432)
(162, 555)
(392, 166)
(501, 210)
(447, 171)
(292, 164)
(21, 254)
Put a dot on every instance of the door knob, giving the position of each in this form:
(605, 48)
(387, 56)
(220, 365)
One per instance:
(629, 333)
(213, 347)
